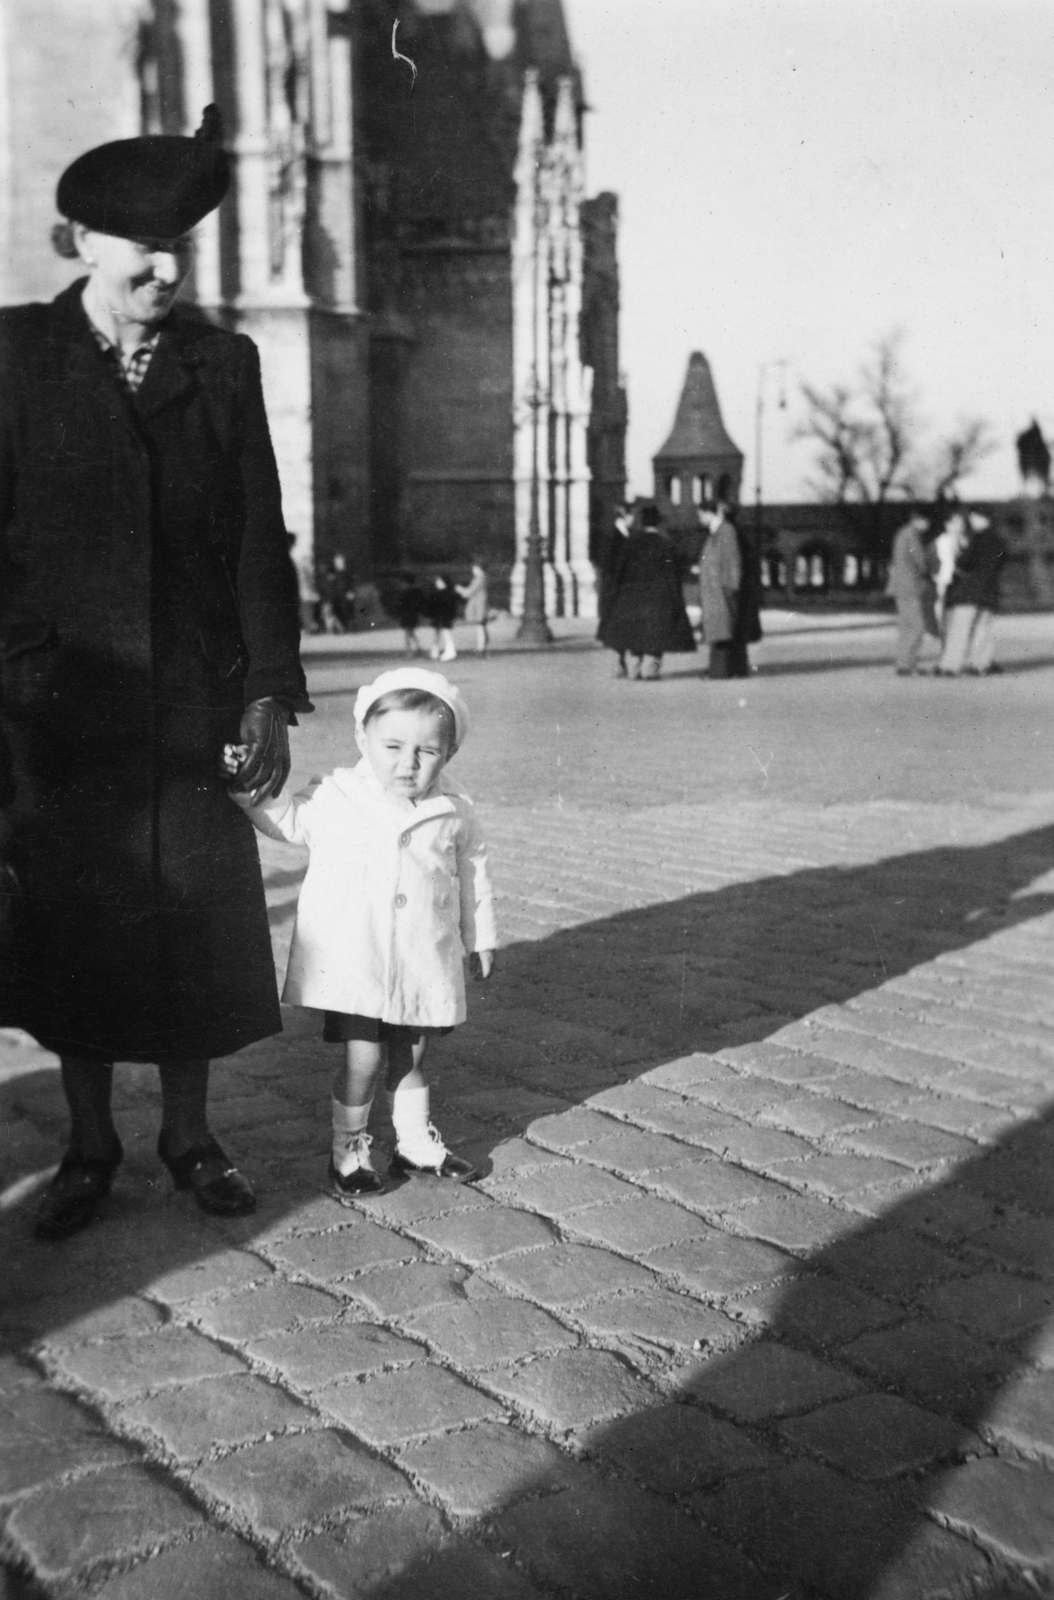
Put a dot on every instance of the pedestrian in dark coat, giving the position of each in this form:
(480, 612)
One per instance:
(644, 616)
(729, 594)
(148, 616)
(971, 602)
(439, 606)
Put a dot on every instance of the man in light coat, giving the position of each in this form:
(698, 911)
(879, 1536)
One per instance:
(912, 572)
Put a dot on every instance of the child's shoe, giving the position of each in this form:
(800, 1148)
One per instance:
(360, 1177)
(428, 1154)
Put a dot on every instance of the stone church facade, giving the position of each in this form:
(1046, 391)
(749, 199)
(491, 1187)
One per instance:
(407, 239)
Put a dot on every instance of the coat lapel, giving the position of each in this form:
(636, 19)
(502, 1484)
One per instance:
(172, 372)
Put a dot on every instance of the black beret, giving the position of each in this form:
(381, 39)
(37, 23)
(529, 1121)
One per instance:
(156, 187)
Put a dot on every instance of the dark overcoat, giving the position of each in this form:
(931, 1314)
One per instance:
(644, 610)
(146, 595)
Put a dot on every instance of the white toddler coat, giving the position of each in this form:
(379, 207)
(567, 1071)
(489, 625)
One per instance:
(395, 895)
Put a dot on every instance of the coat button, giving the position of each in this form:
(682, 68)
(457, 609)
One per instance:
(404, 838)
(400, 900)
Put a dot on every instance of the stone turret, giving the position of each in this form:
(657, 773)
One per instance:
(699, 462)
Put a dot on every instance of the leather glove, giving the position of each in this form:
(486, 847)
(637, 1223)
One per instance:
(265, 735)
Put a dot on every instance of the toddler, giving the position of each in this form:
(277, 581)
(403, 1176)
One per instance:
(396, 892)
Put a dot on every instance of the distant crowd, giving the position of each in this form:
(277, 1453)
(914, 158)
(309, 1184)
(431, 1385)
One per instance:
(944, 577)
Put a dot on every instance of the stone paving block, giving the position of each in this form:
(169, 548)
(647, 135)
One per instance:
(932, 1563)
(570, 1129)
(840, 1176)
(623, 1543)
(973, 1119)
(119, 1512)
(815, 1117)
(760, 1147)
(271, 1308)
(687, 1070)
(331, 1257)
(1023, 1413)
(478, 1236)
(484, 1469)
(891, 1262)
(1019, 1183)
(518, 1155)
(418, 1401)
(661, 1319)
(218, 1273)
(630, 1150)
(119, 1368)
(210, 1567)
(300, 1481)
(419, 1196)
(367, 1553)
(745, 1097)
(677, 1449)
(719, 1265)
(776, 1061)
(820, 1311)
(999, 1305)
(573, 1389)
(936, 1362)
(636, 1226)
(570, 1274)
(910, 1143)
(764, 1380)
(558, 1190)
(712, 1186)
(127, 1314)
(397, 1291)
(313, 1358)
(874, 1436)
(873, 1091)
(460, 1570)
(634, 1099)
(217, 1413)
(491, 1332)
(1007, 1504)
(794, 1222)
(873, 1054)
(44, 1434)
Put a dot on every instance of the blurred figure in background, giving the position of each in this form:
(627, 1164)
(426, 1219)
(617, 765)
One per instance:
(474, 594)
(644, 614)
(972, 602)
(338, 596)
(439, 606)
(307, 589)
(912, 570)
(403, 600)
(720, 585)
(948, 543)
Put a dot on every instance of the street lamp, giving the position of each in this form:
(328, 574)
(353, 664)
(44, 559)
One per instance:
(534, 629)
(779, 366)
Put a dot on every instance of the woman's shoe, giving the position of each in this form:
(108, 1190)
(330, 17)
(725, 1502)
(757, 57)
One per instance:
(218, 1186)
(70, 1199)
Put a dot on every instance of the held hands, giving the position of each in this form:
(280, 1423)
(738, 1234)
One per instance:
(481, 964)
(259, 766)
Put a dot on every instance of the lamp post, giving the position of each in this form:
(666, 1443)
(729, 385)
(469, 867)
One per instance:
(779, 366)
(534, 629)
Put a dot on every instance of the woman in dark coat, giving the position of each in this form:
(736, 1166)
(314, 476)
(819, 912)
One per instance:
(644, 616)
(148, 616)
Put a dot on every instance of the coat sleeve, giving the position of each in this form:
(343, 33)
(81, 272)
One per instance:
(288, 818)
(478, 931)
(266, 580)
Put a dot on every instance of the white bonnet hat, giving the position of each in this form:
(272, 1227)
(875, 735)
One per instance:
(415, 678)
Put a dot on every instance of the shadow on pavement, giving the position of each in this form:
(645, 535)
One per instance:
(940, 1298)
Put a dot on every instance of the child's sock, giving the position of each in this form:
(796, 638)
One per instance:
(415, 1138)
(348, 1123)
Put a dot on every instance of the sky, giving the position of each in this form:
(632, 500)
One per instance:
(800, 178)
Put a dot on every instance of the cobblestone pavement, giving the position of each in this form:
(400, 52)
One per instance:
(756, 1297)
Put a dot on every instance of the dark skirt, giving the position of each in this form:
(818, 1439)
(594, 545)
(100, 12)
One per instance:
(338, 1027)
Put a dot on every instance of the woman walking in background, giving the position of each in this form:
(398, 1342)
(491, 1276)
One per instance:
(644, 615)
(439, 607)
(474, 594)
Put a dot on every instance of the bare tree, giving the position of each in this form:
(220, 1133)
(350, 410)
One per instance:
(871, 437)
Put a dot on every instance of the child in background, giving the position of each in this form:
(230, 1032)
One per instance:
(439, 607)
(396, 893)
(474, 594)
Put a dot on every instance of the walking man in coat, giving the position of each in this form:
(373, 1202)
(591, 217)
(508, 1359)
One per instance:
(912, 573)
(148, 617)
(720, 582)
